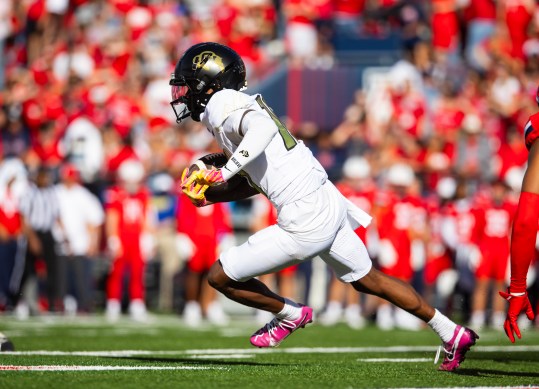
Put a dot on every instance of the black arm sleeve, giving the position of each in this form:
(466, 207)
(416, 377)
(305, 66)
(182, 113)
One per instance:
(237, 188)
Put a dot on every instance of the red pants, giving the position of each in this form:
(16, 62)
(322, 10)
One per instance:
(131, 260)
(203, 258)
(493, 263)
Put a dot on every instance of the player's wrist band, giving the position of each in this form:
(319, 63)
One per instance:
(517, 294)
(200, 164)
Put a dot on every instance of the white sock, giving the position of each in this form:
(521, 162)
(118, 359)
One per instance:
(442, 325)
(290, 311)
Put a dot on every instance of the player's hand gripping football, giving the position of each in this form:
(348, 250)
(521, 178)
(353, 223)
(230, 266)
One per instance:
(209, 177)
(517, 305)
(192, 189)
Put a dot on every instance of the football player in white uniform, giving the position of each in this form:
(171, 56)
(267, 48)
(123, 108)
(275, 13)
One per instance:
(313, 217)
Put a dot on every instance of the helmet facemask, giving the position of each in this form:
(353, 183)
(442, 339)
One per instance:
(187, 103)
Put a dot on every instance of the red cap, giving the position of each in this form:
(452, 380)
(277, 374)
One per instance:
(157, 124)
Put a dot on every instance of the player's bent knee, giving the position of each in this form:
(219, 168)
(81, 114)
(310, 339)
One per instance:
(368, 283)
(217, 277)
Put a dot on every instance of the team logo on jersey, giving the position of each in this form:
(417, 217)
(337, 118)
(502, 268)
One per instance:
(245, 153)
(203, 61)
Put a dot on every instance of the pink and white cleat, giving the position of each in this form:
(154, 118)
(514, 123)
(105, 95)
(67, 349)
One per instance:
(455, 350)
(273, 333)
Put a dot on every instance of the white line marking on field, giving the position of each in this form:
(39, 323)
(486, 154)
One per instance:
(482, 387)
(97, 368)
(394, 360)
(222, 356)
(293, 350)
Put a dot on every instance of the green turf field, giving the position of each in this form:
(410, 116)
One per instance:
(89, 353)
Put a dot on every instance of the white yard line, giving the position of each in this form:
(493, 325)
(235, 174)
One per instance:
(222, 356)
(395, 360)
(97, 368)
(251, 351)
(481, 387)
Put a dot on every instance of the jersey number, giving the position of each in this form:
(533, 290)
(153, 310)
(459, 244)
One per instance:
(289, 141)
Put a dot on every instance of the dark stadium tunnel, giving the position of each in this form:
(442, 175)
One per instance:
(189, 361)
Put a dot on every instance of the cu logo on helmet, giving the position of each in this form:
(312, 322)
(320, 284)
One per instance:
(204, 59)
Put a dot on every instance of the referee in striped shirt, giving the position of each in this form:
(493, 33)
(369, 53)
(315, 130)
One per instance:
(40, 210)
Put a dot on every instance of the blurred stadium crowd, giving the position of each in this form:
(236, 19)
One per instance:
(90, 153)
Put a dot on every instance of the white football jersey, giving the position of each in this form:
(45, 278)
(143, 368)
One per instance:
(286, 171)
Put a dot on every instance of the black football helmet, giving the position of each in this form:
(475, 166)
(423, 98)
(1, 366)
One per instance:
(204, 69)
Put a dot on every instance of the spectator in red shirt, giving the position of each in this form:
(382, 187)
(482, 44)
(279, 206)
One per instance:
(473, 152)
(512, 152)
(481, 15)
(448, 112)
(445, 28)
(347, 16)
(301, 36)
(46, 148)
(518, 15)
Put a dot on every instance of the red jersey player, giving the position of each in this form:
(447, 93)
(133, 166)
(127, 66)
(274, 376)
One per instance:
(402, 227)
(524, 232)
(402, 221)
(460, 231)
(129, 240)
(439, 275)
(495, 218)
